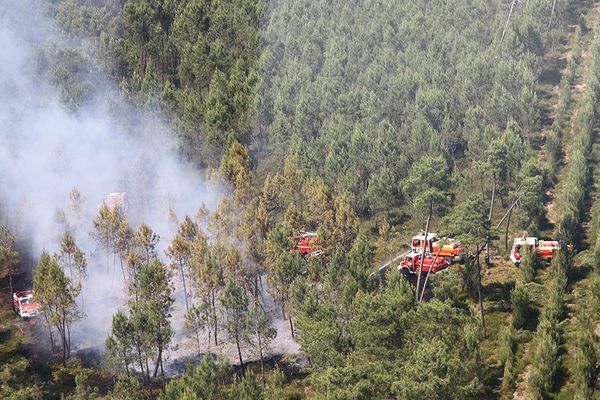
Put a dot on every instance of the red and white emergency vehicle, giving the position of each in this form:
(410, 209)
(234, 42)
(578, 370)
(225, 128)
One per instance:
(25, 304)
(547, 249)
(412, 263)
(449, 249)
(306, 244)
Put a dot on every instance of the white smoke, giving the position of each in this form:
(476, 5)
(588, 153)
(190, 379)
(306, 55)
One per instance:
(46, 150)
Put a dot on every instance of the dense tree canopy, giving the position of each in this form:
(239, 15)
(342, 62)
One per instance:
(336, 120)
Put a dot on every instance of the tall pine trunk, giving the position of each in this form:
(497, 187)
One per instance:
(487, 238)
(147, 367)
(140, 360)
(506, 231)
(158, 359)
(262, 362)
(68, 340)
(63, 334)
(126, 362)
(237, 344)
(162, 373)
(214, 316)
(187, 305)
(479, 293)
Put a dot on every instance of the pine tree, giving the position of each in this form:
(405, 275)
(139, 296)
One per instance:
(249, 388)
(146, 240)
(155, 302)
(261, 332)
(56, 294)
(9, 257)
(119, 348)
(586, 358)
(428, 180)
(507, 354)
(521, 306)
(470, 223)
(235, 304)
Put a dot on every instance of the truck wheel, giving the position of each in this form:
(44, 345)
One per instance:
(449, 260)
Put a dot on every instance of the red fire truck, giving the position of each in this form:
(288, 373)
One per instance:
(412, 263)
(25, 304)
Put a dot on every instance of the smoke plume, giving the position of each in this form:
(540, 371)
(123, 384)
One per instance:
(46, 150)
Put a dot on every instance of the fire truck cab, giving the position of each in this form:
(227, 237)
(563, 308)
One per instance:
(451, 250)
(412, 263)
(306, 244)
(25, 305)
(114, 200)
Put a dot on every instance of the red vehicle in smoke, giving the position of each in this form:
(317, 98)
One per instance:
(412, 263)
(114, 200)
(306, 244)
(25, 304)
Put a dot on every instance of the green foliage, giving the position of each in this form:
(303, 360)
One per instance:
(448, 286)
(507, 348)
(528, 266)
(373, 354)
(578, 170)
(548, 336)
(250, 388)
(82, 390)
(146, 332)
(594, 292)
(119, 346)
(469, 221)
(17, 378)
(531, 213)
(235, 304)
(545, 359)
(128, 388)
(56, 295)
(198, 383)
(198, 57)
(427, 183)
(442, 362)
(586, 358)
(521, 306)
(9, 257)
(360, 258)
(357, 77)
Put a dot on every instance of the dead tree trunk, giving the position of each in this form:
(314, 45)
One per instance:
(428, 272)
(423, 252)
(512, 5)
(552, 12)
